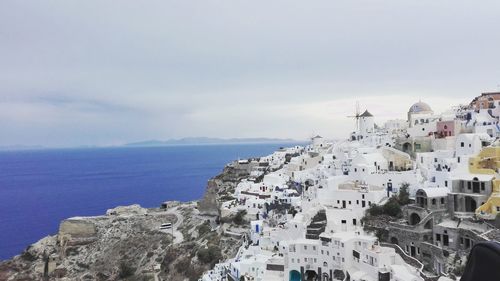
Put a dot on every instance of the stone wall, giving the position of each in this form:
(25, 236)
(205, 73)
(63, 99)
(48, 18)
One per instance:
(77, 228)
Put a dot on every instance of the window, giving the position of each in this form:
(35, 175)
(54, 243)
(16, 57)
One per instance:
(342, 245)
(353, 221)
(462, 144)
(349, 202)
(442, 200)
(305, 247)
(433, 201)
(438, 237)
(458, 159)
(357, 202)
(314, 248)
(445, 240)
(446, 183)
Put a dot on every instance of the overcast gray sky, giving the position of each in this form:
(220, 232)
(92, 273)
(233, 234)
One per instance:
(109, 72)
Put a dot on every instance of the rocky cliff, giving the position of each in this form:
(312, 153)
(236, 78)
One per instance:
(128, 244)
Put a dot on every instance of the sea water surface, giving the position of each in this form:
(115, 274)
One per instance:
(39, 188)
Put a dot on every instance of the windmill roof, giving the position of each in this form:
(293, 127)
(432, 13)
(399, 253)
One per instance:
(366, 114)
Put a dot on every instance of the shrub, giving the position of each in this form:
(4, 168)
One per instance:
(28, 256)
(239, 218)
(404, 195)
(375, 210)
(392, 208)
(209, 255)
(203, 228)
(170, 255)
(125, 270)
(182, 265)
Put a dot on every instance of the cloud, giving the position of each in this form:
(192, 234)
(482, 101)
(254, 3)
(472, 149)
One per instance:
(166, 69)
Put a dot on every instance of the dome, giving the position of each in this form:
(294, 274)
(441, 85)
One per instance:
(419, 107)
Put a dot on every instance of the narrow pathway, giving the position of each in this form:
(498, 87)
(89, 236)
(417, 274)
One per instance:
(178, 237)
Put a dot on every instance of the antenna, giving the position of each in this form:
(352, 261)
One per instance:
(356, 116)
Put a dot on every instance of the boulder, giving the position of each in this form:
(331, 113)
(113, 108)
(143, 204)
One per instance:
(127, 210)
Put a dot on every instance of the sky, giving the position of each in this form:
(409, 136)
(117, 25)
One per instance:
(110, 72)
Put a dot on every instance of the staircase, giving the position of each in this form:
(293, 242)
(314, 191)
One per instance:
(317, 225)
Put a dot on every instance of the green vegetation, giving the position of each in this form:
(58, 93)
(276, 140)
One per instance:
(404, 194)
(28, 256)
(239, 218)
(203, 228)
(391, 208)
(125, 270)
(209, 255)
(182, 264)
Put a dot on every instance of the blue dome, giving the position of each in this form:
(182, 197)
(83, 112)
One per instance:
(419, 107)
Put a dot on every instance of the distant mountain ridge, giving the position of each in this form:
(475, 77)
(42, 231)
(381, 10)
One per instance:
(207, 140)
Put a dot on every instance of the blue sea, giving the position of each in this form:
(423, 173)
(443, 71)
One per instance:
(39, 188)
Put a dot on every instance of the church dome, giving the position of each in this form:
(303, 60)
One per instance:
(420, 107)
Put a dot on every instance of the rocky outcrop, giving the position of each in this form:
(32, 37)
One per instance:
(127, 244)
(209, 205)
(223, 185)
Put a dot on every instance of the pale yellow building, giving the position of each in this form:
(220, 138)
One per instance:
(488, 162)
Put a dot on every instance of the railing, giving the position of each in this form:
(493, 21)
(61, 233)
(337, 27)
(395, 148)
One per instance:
(412, 261)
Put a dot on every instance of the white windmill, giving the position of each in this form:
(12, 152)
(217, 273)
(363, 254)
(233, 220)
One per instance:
(357, 116)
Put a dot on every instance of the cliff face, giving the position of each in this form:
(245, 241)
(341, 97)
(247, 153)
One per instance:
(221, 187)
(94, 248)
(127, 243)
